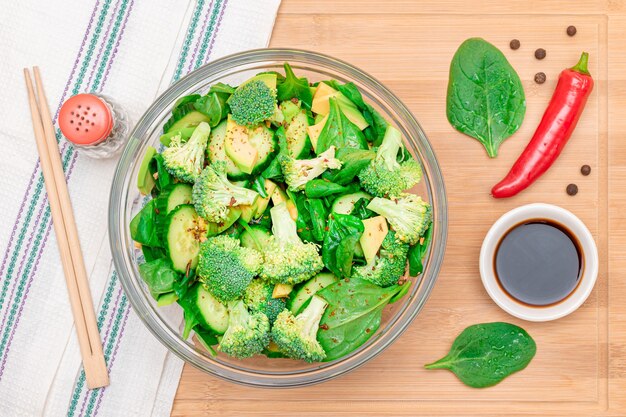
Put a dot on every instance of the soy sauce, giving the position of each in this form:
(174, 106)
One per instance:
(538, 262)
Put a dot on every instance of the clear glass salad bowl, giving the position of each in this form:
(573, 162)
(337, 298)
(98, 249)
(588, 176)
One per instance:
(166, 322)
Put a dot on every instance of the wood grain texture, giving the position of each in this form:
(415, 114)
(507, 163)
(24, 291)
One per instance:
(580, 367)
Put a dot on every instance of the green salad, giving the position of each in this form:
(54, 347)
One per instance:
(277, 216)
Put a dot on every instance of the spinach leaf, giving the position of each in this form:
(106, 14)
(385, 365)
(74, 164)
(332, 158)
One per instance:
(485, 95)
(258, 185)
(294, 87)
(484, 354)
(303, 222)
(377, 123)
(159, 276)
(350, 91)
(375, 132)
(184, 100)
(186, 299)
(273, 171)
(417, 252)
(344, 232)
(151, 253)
(163, 177)
(143, 227)
(339, 131)
(222, 88)
(207, 339)
(361, 211)
(214, 106)
(353, 161)
(353, 314)
(318, 188)
(318, 213)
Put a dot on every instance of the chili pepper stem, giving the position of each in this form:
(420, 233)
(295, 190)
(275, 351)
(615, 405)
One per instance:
(581, 67)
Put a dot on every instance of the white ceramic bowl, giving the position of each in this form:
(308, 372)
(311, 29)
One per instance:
(517, 216)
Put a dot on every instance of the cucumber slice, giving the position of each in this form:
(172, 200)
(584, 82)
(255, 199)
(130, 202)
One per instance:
(214, 229)
(145, 180)
(303, 292)
(298, 143)
(184, 116)
(256, 232)
(166, 299)
(238, 147)
(345, 203)
(174, 196)
(264, 141)
(216, 152)
(213, 315)
(182, 240)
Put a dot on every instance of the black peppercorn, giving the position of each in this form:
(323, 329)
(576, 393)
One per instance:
(540, 53)
(585, 170)
(540, 77)
(571, 30)
(572, 189)
(514, 44)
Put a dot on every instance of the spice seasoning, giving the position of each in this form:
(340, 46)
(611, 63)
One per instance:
(540, 53)
(572, 189)
(571, 30)
(585, 170)
(540, 77)
(514, 44)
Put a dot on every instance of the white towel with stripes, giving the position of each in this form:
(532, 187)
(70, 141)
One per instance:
(130, 50)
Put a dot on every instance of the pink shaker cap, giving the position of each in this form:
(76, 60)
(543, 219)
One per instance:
(85, 119)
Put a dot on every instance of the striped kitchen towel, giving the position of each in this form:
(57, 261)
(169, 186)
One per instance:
(130, 50)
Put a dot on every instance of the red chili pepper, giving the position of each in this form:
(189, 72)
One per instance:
(554, 130)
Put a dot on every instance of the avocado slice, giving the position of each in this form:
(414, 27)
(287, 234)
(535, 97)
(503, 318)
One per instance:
(315, 130)
(321, 105)
(289, 109)
(260, 204)
(279, 196)
(375, 231)
(268, 78)
(238, 148)
(282, 290)
(247, 212)
(145, 180)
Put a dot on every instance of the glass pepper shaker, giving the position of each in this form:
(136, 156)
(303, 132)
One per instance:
(94, 124)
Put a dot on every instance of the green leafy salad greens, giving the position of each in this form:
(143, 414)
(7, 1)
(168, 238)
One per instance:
(278, 217)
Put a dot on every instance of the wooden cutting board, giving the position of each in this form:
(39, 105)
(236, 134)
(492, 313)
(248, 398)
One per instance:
(580, 366)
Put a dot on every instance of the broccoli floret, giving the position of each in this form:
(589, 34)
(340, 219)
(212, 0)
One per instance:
(388, 266)
(298, 172)
(288, 260)
(247, 333)
(213, 194)
(385, 176)
(185, 160)
(225, 268)
(408, 215)
(258, 297)
(252, 103)
(296, 336)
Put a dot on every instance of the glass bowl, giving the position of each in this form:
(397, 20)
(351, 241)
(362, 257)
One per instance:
(126, 201)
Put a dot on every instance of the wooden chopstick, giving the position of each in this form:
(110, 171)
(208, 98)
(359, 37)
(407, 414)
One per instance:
(67, 236)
